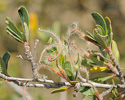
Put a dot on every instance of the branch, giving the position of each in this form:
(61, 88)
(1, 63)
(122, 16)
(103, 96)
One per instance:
(31, 80)
(52, 84)
(98, 85)
(112, 68)
(121, 76)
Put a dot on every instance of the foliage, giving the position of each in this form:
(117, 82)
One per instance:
(59, 60)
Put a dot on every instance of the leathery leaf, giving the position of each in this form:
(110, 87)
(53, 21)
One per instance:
(115, 51)
(24, 16)
(13, 27)
(67, 68)
(100, 21)
(14, 35)
(58, 90)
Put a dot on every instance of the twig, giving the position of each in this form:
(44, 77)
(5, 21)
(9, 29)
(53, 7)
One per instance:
(30, 57)
(21, 57)
(35, 45)
(97, 85)
(121, 76)
(31, 80)
(105, 93)
(112, 68)
(100, 55)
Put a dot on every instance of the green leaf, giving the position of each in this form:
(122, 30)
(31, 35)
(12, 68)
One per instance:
(86, 62)
(73, 82)
(104, 52)
(96, 60)
(23, 13)
(99, 38)
(77, 70)
(13, 27)
(101, 79)
(78, 64)
(100, 21)
(87, 91)
(89, 35)
(115, 51)
(58, 90)
(67, 67)
(6, 58)
(100, 30)
(27, 31)
(114, 95)
(14, 35)
(70, 74)
(3, 69)
(109, 30)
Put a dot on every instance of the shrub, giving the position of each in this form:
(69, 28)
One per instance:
(59, 61)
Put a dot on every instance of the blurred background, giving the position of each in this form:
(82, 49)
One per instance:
(55, 15)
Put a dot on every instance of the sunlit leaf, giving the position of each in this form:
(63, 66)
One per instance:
(101, 79)
(13, 27)
(115, 51)
(70, 74)
(78, 64)
(90, 35)
(67, 67)
(96, 60)
(26, 31)
(99, 38)
(99, 20)
(13, 34)
(77, 70)
(109, 29)
(58, 90)
(100, 29)
(23, 13)
(73, 82)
